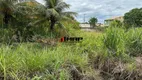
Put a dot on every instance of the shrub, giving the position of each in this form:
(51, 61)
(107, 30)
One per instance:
(6, 35)
(113, 41)
(134, 41)
(116, 23)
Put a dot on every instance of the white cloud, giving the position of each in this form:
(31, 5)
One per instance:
(101, 9)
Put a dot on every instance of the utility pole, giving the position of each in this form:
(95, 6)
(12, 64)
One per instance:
(84, 18)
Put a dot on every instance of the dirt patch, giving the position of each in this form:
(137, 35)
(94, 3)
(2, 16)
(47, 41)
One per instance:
(117, 70)
(77, 75)
(51, 42)
(139, 62)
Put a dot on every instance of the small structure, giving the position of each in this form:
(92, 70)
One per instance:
(99, 25)
(107, 22)
(88, 26)
(85, 26)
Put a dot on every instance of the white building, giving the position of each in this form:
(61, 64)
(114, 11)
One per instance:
(85, 26)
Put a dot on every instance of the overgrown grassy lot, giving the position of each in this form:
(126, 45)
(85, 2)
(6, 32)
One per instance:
(111, 55)
(30, 47)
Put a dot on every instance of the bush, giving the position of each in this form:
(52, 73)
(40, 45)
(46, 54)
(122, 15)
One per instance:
(134, 41)
(116, 23)
(114, 41)
(6, 35)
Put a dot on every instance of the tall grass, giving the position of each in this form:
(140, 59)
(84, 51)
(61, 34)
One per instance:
(114, 41)
(134, 42)
(34, 61)
(26, 61)
(118, 41)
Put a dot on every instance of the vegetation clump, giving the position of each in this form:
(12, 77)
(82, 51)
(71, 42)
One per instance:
(133, 18)
(30, 47)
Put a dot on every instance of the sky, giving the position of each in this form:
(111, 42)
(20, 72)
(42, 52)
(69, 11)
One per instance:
(101, 9)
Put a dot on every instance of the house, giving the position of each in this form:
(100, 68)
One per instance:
(107, 22)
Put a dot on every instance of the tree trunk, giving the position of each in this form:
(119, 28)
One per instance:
(6, 19)
(52, 25)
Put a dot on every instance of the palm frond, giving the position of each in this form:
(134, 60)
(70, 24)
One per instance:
(63, 27)
(36, 10)
(51, 12)
(57, 1)
(6, 6)
(62, 6)
(69, 13)
(60, 25)
(37, 22)
(65, 18)
(49, 3)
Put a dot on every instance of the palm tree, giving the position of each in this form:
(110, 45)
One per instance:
(6, 10)
(14, 13)
(54, 12)
(26, 13)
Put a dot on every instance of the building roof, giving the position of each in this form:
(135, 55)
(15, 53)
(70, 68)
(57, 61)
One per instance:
(115, 18)
(84, 23)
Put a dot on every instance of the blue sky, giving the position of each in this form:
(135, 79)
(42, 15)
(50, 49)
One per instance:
(102, 9)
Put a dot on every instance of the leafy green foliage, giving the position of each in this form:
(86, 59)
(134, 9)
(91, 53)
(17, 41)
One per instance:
(133, 18)
(134, 41)
(41, 61)
(114, 41)
(116, 23)
(31, 19)
(6, 36)
(119, 42)
(6, 10)
(93, 21)
(55, 12)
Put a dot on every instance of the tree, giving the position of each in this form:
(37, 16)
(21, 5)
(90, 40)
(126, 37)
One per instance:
(54, 12)
(18, 15)
(133, 18)
(6, 9)
(93, 21)
(25, 13)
